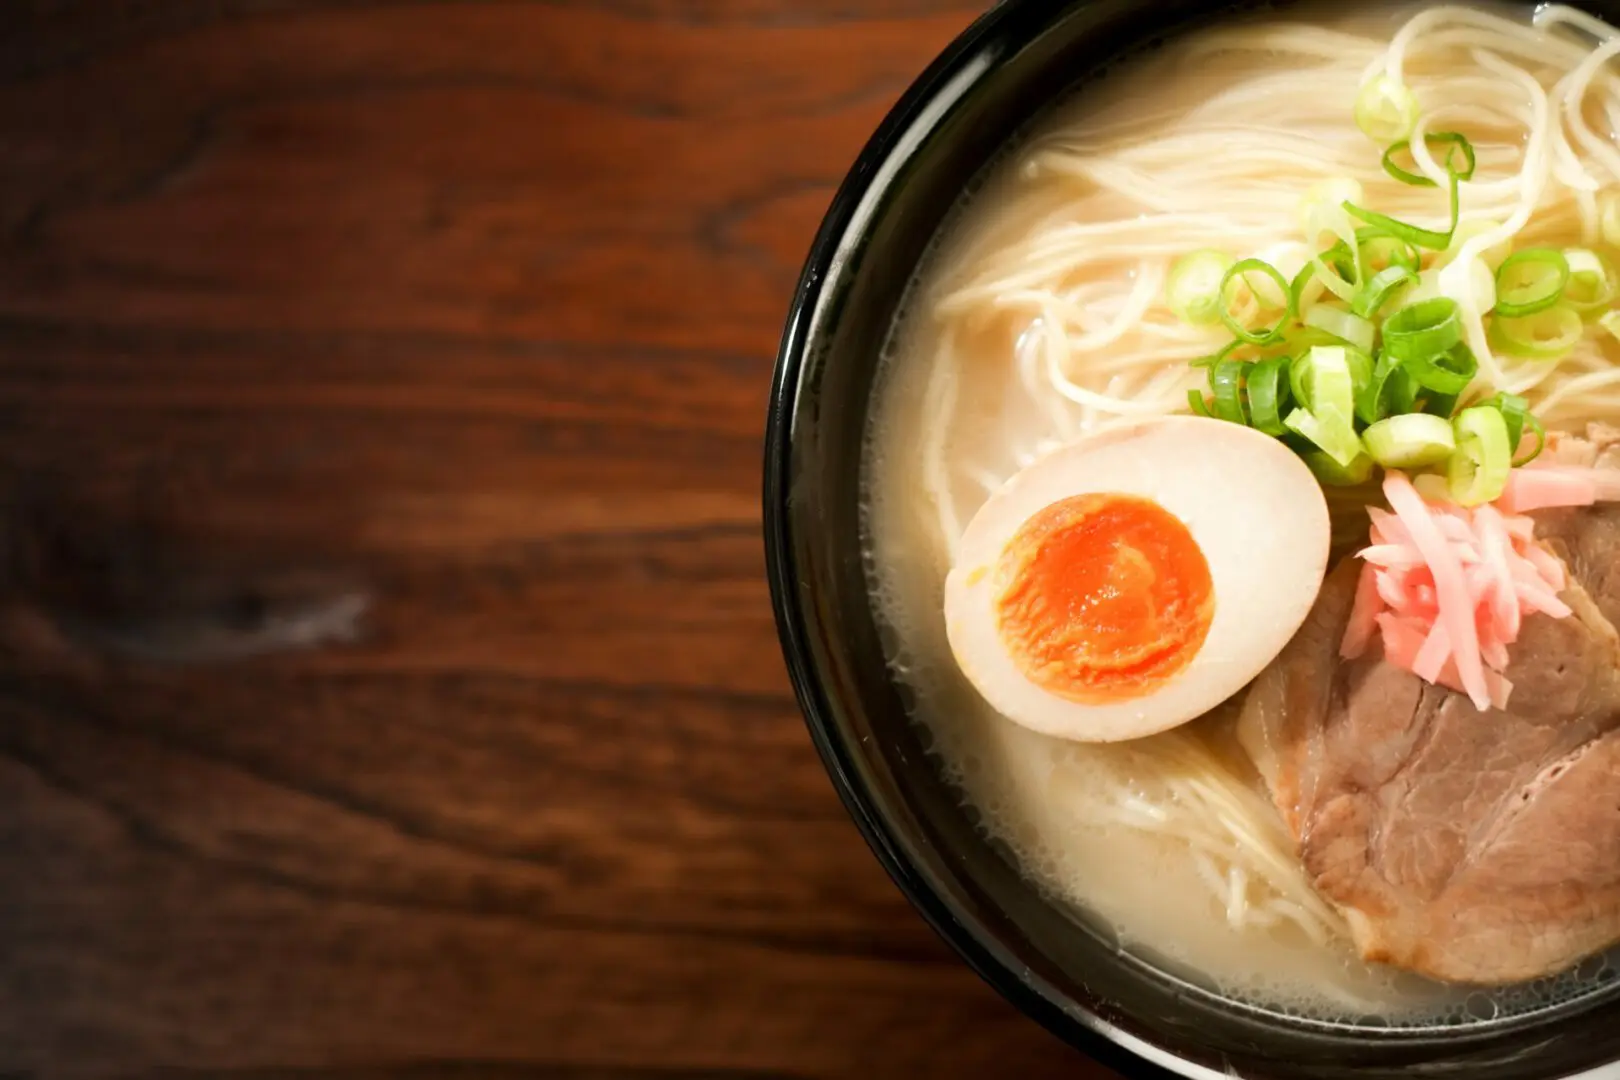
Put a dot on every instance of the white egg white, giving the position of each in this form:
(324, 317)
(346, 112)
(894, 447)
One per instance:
(1251, 505)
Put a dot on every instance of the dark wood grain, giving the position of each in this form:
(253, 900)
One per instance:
(388, 689)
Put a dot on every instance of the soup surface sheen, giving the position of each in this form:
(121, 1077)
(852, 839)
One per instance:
(1208, 142)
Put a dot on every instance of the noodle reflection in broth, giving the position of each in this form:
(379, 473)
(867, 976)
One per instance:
(1040, 317)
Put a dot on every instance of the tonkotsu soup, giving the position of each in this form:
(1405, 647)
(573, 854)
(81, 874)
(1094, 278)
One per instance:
(1065, 297)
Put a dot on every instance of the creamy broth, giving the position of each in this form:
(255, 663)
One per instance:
(1065, 809)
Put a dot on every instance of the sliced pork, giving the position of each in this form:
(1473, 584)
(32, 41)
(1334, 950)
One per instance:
(1471, 847)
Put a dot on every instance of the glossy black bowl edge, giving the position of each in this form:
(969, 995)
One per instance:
(780, 564)
(1245, 1042)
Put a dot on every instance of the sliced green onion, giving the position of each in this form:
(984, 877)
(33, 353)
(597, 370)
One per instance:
(1331, 473)
(1300, 376)
(1325, 195)
(1226, 380)
(1361, 371)
(1410, 441)
(1338, 267)
(1405, 176)
(1478, 469)
(1328, 360)
(1423, 330)
(1441, 405)
(1611, 323)
(1371, 399)
(1302, 339)
(1268, 387)
(1343, 325)
(1269, 290)
(1403, 392)
(1302, 282)
(1334, 278)
(1240, 271)
(1336, 439)
(1541, 442)
(1326, 391)
(1386, 110)
(1433, 239)
(1447, 375)
(1412, 234)
(1226, 350)
(1454, 143)
(1379, 288)
(1546, 335)
(1196, 402)
(1529, 281)
(1379, 250)
(1193, 289)
(1516, 414)
(1342, 260)
(1331, 375)
(1591, 285)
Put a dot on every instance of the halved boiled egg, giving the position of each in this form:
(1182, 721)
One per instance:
(1134, 580)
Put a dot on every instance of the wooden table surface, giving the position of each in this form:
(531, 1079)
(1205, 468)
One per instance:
(388, 686)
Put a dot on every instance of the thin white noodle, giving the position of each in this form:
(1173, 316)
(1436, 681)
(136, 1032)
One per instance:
(1070, 277)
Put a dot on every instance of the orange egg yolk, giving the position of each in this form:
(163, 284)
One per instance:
(1103, 597)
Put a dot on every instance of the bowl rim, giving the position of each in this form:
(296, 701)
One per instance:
(874, 173)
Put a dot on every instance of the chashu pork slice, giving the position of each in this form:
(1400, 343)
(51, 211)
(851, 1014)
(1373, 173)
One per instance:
(1471, 847)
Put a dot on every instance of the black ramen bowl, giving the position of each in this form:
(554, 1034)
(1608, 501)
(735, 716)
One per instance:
(1001, 74)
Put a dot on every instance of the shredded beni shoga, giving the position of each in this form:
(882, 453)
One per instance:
(1447, 587)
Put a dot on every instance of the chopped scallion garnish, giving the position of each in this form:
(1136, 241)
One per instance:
(1316, 362)
(1210, 361)
(1433, 239)
(1454, 143)
(1284, 297)
(1380, 288)
(1545, 335)
(1226, 380)
(1456, 170)
(1268, 392)
(1423, 330)
(1477, 471)
(1380, 250)
(1516, 414)
(1326, 392)
(1410, 441)
(1403, 392)
(1447, 374)
(1530, 280)
(1372, 399)
(1193, 289)
(1323, 214)
(1303, 372)
(1386, 110)
(1591, 286)
(1344, 325)
(1331, 473)
(1611, 323)
(1326, 195)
